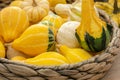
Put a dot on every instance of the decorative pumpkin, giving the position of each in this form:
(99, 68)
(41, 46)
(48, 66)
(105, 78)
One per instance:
(2, 50)
(55, 19)
(35, 40)
(93, 33)
(74, 55)
(36, 9)
(66, 34)
(53, 3)
(13, 21)
(48, 59)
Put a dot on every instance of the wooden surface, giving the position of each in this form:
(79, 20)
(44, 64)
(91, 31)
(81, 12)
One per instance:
(114, 72)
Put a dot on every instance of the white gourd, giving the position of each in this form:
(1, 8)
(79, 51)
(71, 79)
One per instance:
(62, 10)
(66, 34)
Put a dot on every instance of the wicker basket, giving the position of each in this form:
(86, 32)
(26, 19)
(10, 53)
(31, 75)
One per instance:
(92, 69)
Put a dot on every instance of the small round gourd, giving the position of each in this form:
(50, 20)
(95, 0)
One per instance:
(66, 34)
(36, 9)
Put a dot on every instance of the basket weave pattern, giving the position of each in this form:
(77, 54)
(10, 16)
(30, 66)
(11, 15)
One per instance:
(92, 69)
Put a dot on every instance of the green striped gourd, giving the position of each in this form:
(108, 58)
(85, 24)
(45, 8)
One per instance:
(93, 34)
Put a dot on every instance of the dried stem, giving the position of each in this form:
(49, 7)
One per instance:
(34, 3)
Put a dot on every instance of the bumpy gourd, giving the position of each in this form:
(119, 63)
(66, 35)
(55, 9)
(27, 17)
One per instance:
(93, 33)
(2, 50)
(48, 59)
(36, 9)
(35, 40)
(66, 34)
(56, 20)
(13, 21)
(74, 55)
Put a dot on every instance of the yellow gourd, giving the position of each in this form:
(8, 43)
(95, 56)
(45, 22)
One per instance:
(48, 59)
(56, 20)
(13, 21)
(74, 55)
(63, 10)
(36, 9)
(2, 50)
(35, 40)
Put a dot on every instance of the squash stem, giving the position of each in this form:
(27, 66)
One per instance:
(34, 3)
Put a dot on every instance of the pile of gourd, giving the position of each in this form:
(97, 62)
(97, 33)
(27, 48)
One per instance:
(52, 32)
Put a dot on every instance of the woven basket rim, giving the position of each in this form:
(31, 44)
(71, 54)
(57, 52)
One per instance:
(64, 66)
